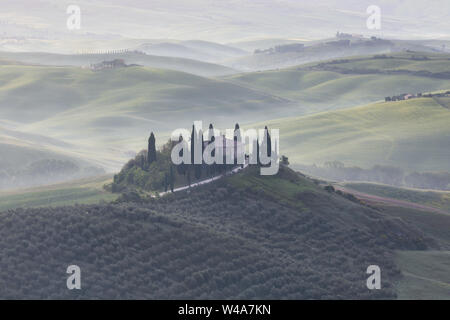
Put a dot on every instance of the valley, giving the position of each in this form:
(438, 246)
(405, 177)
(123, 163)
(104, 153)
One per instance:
(363, 179)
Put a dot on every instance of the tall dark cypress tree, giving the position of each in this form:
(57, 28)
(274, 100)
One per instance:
(236, 139)
(211, 139)
(151, 152)
(193, 137)
(269, 142)
(181, 168)
(171, 179)
(198, 167)
(257, 152)
(210, 132)
(166, 182)
(142, 161)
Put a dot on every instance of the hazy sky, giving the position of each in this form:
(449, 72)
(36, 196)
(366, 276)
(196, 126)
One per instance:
(223, 20)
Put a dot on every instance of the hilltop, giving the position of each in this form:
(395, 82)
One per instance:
(351, 81)
(246, 236)
(97, 116)
(285, 54)
(131, 57)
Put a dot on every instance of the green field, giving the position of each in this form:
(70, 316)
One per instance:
(86, 191)
(436, 199)
(425, 274)
(412, 134)
(353, 81)
(105, 116)
(85, 60)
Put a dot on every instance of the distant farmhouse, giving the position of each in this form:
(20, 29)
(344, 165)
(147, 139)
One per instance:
(295, 47)
(408, 96)
(113, 64)
(343, 35)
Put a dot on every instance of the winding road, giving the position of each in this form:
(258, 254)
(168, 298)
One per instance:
(209, 180)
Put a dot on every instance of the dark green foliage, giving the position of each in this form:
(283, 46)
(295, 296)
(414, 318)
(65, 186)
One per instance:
(237, 139)
(171, 179)
(198, 171)
(188, 177)
(181, 168)
(152, 177)
(151, 151)
(193, 138)
(257, 151)
(225, 240)
(269, 142)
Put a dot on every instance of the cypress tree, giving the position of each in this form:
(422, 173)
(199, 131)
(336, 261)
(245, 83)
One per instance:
(192, 144)
(181, 168)
(211, 139)
(199, 167)
(210, 132)
(257, 151)
(172, 179)
(269, 142)
(151, 151)
(142, 162)
(237, 139)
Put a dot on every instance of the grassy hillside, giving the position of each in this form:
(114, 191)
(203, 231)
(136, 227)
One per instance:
(153, 61)
(105, 116)
(233, 238)
(439, 200)
(319, 50)
(192, 49)
(425, 275)
(352, 81)
(23, 164)
(86, 191)
(412, 134)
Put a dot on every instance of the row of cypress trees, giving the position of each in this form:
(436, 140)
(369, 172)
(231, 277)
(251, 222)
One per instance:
(198, 139)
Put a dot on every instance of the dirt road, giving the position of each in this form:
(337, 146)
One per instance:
(389, 201)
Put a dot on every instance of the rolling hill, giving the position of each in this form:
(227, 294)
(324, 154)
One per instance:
(353, 81)
(411, 134)
(29, 159)
(192, 49)
(283, 55)
(426, 275)
(152, 61)
(432, 198)
(82, 191)
(234, 238)
(103, 116)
